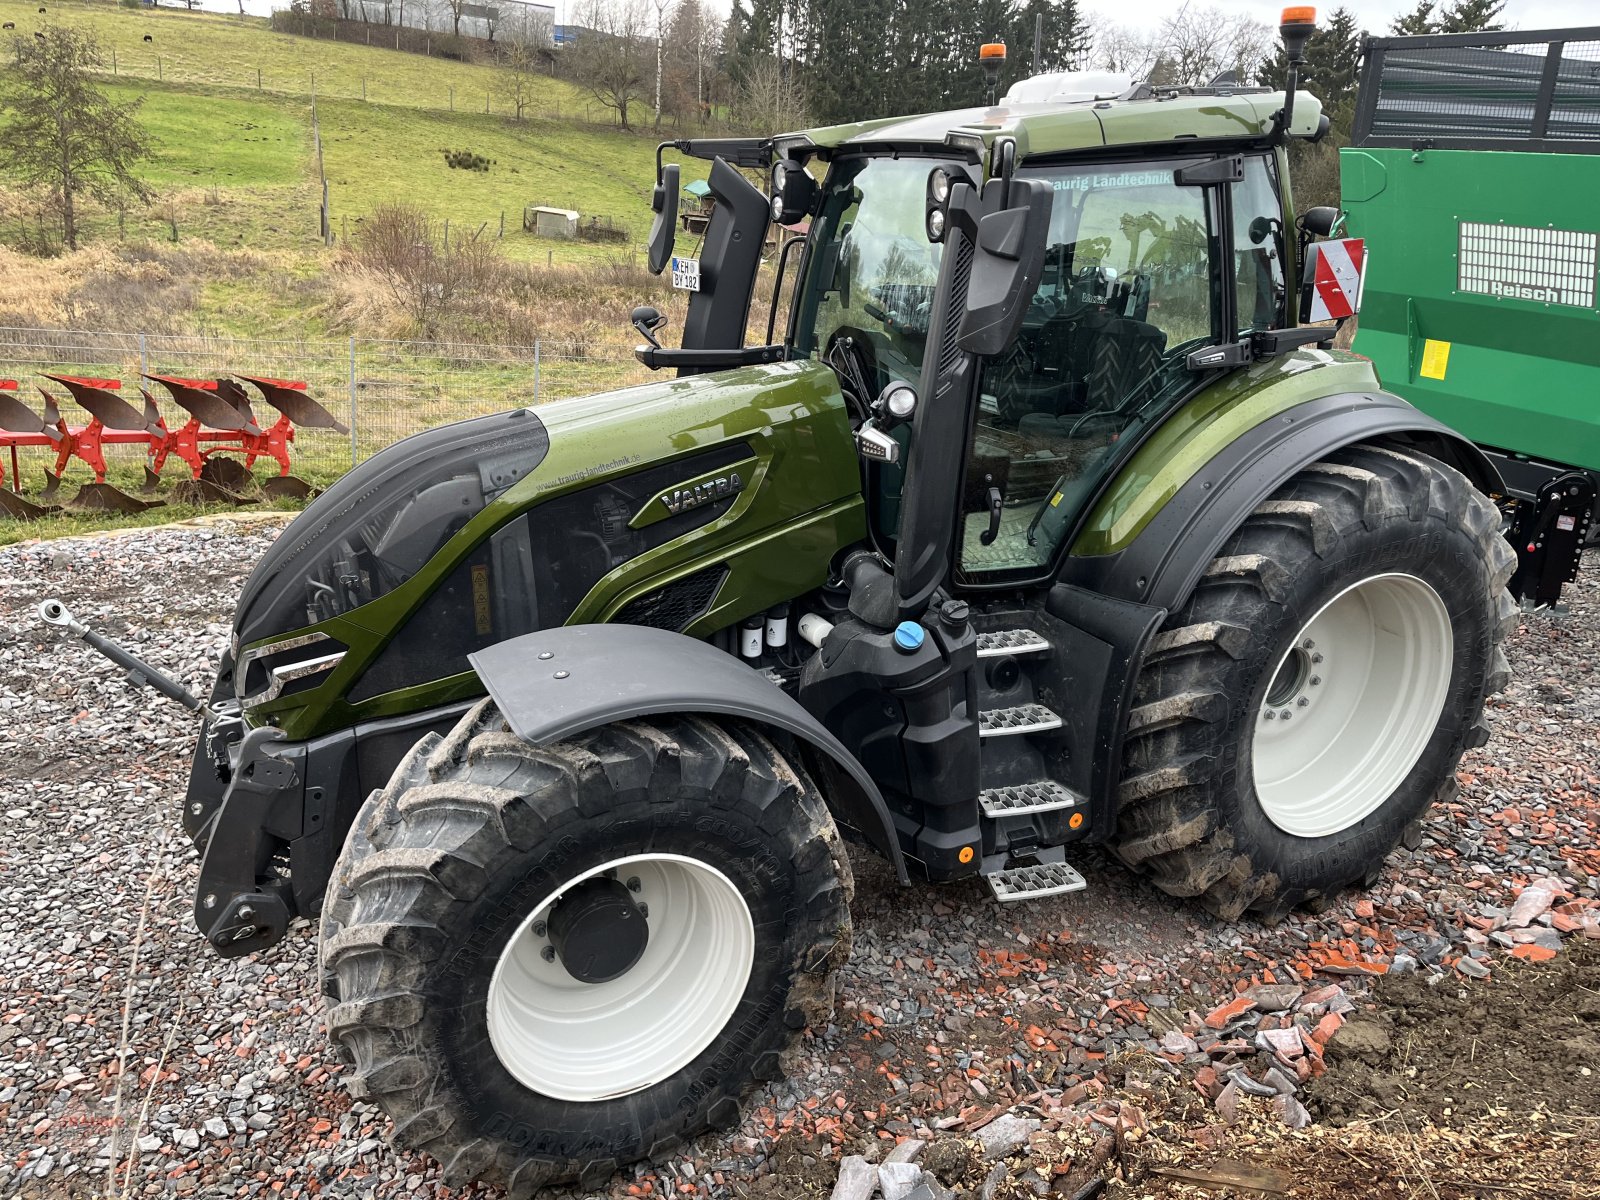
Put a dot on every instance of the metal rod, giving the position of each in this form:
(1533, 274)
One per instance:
(139, 672)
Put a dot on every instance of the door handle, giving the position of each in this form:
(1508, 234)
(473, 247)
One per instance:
(995, 501)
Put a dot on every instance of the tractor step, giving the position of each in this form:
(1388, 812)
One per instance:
(1034, 882)
(1022, 718)
(1025, 799)
(1000, 643)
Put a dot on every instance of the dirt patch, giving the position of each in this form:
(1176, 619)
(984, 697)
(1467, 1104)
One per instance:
(1459, 1050)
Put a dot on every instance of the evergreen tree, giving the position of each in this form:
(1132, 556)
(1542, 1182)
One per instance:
(1463, 16)
(64, 136)
(1473, 16)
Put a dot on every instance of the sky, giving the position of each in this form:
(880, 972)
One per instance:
(1375, 15)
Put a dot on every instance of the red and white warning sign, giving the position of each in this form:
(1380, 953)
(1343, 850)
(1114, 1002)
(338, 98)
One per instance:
(1336, 288)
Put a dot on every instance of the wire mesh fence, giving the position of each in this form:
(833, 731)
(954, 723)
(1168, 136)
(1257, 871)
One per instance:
(381, 391)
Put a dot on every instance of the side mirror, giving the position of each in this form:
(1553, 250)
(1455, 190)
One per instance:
(794, 192)
(1330, 285)
(664, 229)
(1320, 221)
(1007, 261)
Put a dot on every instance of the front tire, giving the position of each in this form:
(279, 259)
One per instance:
(1317, 690)
(546, 963)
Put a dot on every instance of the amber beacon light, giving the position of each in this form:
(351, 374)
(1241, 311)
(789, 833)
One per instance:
(992, 56)
(1296, 25)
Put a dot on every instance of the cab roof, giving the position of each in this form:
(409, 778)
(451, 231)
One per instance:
(1152, 117)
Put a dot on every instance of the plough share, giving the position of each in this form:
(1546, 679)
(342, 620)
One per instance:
(218, 444)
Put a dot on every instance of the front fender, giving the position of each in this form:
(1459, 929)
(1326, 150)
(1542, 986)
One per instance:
(554, 683)
(1165, 560)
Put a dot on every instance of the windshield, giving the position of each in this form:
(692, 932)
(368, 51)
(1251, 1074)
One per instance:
(870, 273)
(1126, 293)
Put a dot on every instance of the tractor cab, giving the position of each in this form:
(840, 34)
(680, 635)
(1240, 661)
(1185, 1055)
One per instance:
(1159, 250)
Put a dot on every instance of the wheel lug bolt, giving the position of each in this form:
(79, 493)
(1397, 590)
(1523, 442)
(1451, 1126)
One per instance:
(1316, 658)
(1314, 680)
(1307, 644)
(1302, 702)
(644, 910)
(548, 954)
(1269, 715)
(633, 883)
(538, 929)
(1286, 714)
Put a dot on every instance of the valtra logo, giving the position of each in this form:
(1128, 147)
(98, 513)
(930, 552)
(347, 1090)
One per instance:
(682, 499)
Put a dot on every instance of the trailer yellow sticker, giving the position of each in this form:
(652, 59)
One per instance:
(1435, 359)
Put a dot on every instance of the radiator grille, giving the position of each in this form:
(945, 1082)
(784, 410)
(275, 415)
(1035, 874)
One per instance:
(678, 604)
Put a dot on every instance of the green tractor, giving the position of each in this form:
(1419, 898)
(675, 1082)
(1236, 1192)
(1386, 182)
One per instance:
(1043, 523)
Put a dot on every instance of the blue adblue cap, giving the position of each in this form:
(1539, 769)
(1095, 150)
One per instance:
(908, 636)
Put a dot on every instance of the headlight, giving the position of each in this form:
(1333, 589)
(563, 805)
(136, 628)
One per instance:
(780, 176)
(777, 206)
(936, 225)
(939, 186)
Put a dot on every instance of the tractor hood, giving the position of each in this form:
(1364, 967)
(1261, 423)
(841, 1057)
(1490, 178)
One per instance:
(659, 504)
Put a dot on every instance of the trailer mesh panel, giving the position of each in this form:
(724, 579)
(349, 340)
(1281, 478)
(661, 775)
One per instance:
(1556, 266)
(1483, 91)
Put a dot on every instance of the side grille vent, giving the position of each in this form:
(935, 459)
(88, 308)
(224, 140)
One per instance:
(949, 352)
(678, 604)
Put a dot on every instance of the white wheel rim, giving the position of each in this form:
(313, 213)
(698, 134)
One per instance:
(595, 1041)
(1352, 704)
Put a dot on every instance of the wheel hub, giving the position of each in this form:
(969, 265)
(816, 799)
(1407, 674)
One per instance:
(598, 931)
(620, 977)
(1351, 705)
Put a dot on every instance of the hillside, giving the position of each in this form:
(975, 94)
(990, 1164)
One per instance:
(235, 162)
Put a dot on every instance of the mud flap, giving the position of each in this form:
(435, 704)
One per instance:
(557, 682)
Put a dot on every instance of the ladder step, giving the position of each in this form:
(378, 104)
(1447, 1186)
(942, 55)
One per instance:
(1035, 882)
(1023, 799)
(1023, 718)
(998, 643)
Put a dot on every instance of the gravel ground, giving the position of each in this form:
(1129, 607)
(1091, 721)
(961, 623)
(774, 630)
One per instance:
(953, 1010)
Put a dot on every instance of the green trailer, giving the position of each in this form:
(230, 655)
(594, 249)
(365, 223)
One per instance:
(1474, 177)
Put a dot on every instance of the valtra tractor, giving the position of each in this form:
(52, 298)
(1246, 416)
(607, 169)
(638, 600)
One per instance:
(1045, 521)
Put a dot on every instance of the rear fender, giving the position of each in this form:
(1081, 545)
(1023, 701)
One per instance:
(557, 682)
(1164, 562)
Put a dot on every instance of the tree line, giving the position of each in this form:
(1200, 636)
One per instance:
(772, 65)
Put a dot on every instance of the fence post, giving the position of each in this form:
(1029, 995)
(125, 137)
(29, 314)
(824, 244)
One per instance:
(536, 370)
(352, 402)
(144, 358)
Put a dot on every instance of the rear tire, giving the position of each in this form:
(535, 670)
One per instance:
(444, 985)
(1396, 563)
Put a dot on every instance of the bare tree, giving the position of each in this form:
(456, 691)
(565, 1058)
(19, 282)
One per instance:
(609, 54)
(771, 99)
(61, 134)
(1124, 50)
(1197, 44)
(405, 251)
(661, 7)
(520, 61)
(455, 8)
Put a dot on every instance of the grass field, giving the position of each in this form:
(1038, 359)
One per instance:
(234, 163)
(197, 49)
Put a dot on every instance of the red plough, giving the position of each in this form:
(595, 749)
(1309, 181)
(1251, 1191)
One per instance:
(219, 443)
